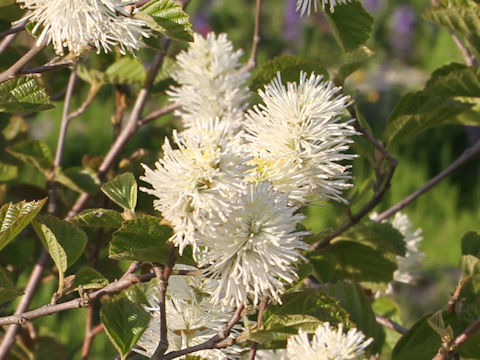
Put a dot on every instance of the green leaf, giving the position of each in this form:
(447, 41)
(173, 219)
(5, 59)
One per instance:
(123, 191)
(353, 61)
(470, 265)
(124, 323)
(458, 18)
(471, 244)
(418, 112)
(15, 217)
(142, 239)
(33, 152)
(49, 348)
(168, 18)
(346, 260)
(7, 290)
(126, 71)
(89, 278)
(473, 42)
(382, 237)
(289, 67)
(353, 299)
(98, 218)
(78, 179)
(23, 95)
(351, 25)
(64, 241)
(455, 80)
(8, 172)
(91, 76)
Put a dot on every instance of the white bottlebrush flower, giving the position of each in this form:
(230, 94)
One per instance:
(191, 320)
(211, 84)
(253, 253)
(305, 6)
(197, 180)
(298, 129)
(327, 343)
(413, 257)
(76, 25)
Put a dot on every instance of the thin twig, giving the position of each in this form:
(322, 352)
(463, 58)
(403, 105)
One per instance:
(215, 342)
(124, 282)
(391, 324)
(86, 103)
(158, 113)
(13, 70)
(381, 187)
(460, 161)
(46, 67)
(195, 273)
(459, 340)
(252, 60)
(88, 339)
(261, 310)
(456, 294)
(15, 29)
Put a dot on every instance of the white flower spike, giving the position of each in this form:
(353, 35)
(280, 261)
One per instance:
(76, 25)
(305, 6)
(327, 343)
(253, 253)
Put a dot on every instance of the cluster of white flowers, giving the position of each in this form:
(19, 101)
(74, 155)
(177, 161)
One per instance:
(232, 186)
(77, 25)
(413, 257)
(191, 319)
(305, 6)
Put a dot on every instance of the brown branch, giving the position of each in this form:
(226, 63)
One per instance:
(215, 342)
(15, 29)
(124, 282)
(381, 187)
(86, 103)
(456, 294)
(195, 273)
(459, 340)
(13, 70)
(391, 324)
(158, 113)
(46, 67)
(252, 60)
(466, 156)
(261, 310)
(89, 336)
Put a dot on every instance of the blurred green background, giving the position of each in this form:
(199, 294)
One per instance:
(407, 49)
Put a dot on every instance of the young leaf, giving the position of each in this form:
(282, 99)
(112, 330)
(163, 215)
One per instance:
(141, 239)
(471, 244)
(98, 218)
(124, 323)
(354, 60)
(126, 71)
(33, 152)
(15, 217)
(7, 290)
(123, 191)
(168, 18)
(464, 19)
(289, 67)
(8, 172)
(89, 278)
(351, 25)
(23, 95)
(64, 241)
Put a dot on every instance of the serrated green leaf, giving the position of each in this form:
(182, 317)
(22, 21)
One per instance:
(7, 290)
(464, 19)
(169, 19)
(455, 81)
(124, 323)
(98, 218)
(141, 239)
(91, 76)
(15, 217)
(471, 244)
(347, 260)
(418, 112)
(89, 278)
(289, 67)
(33, 152)
(23, 95)
(122, 190)
(353, 299)
(351, 25)
(78, 179)
(126, 71)
(64, 241)
(354, 60)
(383, 237)
(8, 172)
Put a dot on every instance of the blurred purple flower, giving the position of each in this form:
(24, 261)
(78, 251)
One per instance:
(201, 20)
(402, 29)
(371, 5)
(292, 25)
